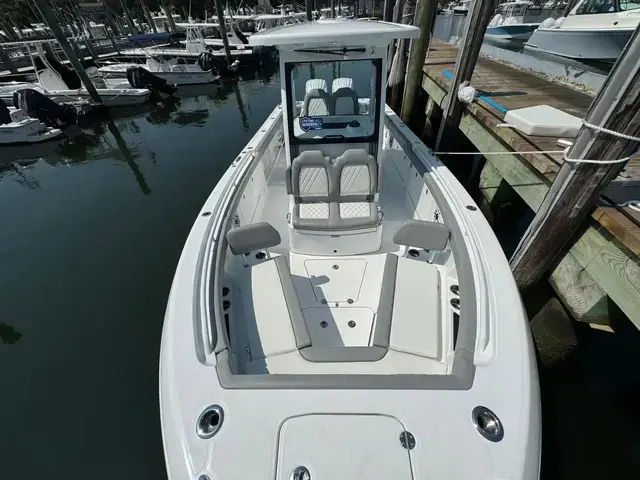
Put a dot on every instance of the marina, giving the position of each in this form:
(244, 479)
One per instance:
(299, 210)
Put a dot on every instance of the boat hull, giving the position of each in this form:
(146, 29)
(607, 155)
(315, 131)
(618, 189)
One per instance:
(177, 78)
(510, 34)
(596, 45)
(111, 98)
(335, 420)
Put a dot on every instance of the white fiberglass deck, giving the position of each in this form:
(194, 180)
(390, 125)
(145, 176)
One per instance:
(338, 295)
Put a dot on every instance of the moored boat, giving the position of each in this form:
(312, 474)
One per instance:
(593, 31)
(341, 307)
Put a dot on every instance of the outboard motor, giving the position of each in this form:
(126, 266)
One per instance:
(5, 115)
(139, 77)
(206, 61)
(39, 106)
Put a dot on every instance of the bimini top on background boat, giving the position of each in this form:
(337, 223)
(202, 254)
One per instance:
(595, 31)
(341, 308)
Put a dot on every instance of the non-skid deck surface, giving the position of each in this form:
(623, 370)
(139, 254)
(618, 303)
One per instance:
(513, 88)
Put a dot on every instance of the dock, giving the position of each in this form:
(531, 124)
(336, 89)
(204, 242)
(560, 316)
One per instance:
(602, 261)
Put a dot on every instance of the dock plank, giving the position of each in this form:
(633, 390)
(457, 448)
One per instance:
(610, 247)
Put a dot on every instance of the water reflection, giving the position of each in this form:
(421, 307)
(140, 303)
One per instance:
(240, 103)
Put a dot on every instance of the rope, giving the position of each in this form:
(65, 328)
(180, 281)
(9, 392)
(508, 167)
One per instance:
(632, 204)
(530, 152)
(545, 152)
(610, 132)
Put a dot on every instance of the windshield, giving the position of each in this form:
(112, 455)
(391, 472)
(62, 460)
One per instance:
(333, 101)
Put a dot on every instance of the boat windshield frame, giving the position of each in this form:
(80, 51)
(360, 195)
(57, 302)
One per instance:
(289, 66)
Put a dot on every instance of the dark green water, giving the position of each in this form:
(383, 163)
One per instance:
(90, 234)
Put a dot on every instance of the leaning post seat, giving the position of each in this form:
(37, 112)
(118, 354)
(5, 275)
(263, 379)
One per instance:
(316, 99)
(334, 198)
(344, 97)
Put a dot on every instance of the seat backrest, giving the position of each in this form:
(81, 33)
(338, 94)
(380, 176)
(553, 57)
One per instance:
(357, 176)
(316, 102)
(345, 102)
(342, 82)
(310, 177)
(315, 84)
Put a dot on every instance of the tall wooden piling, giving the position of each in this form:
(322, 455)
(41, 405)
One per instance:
(333, 8)
(468, 51)
(578, 185)
(399, 66)
(387, 14)
(50, 20)
(413, 80)
(397, 15)
(223, 31)
(309, 8)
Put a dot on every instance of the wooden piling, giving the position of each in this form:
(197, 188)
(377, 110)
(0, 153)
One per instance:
(387, 14)
(418, 51)
(399, 67)
(468, 51)
(50, 20)
(309, 8)
(333, 8)
(578, 185)
(223, 31)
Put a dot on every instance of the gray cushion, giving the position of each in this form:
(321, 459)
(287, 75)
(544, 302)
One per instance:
(251, 237)
(299, 326)
(431, 236)
(311, 159)
(353, 157)
(317, 102)
(382, 331)
(345, 101)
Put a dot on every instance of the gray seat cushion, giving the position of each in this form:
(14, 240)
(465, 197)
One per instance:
(252, 237)
(432, 236)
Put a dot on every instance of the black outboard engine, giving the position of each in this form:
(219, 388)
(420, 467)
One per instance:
(5, 116)
(139, 77)
(206, 61)
(39, 106)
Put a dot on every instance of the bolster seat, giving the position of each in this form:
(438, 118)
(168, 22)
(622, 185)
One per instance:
(334, 196)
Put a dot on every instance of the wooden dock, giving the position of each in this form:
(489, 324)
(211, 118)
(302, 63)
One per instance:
(602, 263)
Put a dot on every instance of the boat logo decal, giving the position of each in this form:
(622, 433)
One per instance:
(311, 123)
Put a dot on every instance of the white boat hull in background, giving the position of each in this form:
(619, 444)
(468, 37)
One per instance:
(188, 76)
(110, 97)
(597, 45)
(24, 130)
